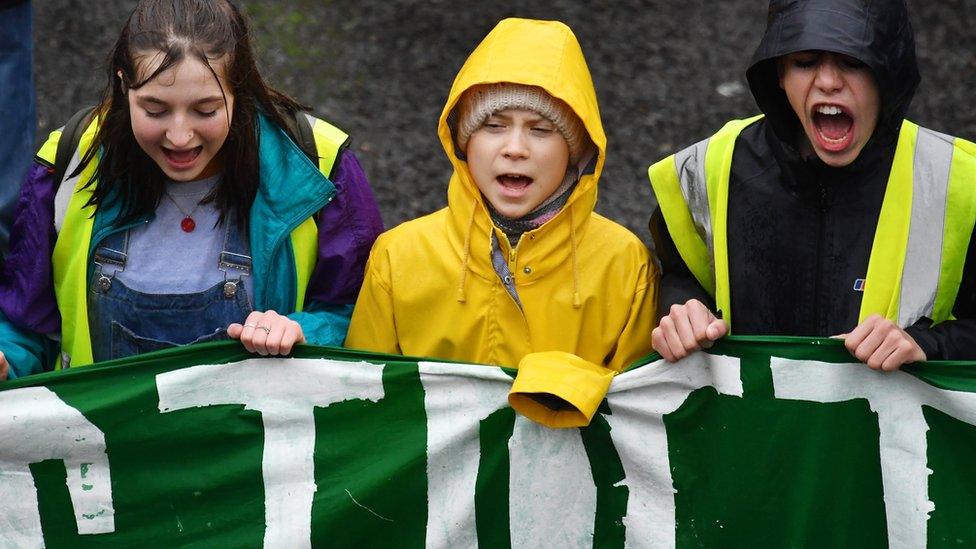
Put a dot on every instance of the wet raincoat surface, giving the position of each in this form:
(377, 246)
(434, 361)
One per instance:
(811, 249)
(585, 283)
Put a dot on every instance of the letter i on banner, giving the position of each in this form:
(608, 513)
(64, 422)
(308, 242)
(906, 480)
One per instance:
(639, 400)
(552, 496)
(456, 397)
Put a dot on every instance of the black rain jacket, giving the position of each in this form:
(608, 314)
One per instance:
(800, 232)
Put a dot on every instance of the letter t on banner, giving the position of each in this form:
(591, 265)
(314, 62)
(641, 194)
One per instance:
(898, 398)
(285, 392)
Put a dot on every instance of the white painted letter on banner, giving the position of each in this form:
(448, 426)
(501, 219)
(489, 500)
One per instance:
(36, 425)
(639, 399)
(897, 397)
(285, 392)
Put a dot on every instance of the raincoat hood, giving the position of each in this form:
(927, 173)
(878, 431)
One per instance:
(875, 32)
(533, 53)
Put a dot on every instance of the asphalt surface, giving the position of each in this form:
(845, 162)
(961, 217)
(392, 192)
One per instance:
(667, 73)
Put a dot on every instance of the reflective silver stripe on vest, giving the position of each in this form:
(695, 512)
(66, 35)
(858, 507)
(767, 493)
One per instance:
(66, 188)
(923, 256)
(690, 165)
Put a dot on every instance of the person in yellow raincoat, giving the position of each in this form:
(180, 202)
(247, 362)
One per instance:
(518, 262)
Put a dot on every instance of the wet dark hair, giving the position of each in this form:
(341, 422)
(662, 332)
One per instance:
(205, 30)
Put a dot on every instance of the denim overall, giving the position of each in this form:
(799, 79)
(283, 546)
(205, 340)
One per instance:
(126, 322)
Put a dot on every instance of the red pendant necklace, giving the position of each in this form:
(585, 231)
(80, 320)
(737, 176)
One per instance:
(187, 224)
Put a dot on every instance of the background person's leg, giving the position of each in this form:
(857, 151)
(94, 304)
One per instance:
(17, 115)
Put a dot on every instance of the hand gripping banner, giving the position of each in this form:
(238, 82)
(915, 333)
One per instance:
(759, 442)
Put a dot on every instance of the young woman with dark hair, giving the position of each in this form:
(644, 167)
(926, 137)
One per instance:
(199, 204)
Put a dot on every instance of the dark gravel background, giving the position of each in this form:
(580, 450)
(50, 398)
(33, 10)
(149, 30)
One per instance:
(667, 73)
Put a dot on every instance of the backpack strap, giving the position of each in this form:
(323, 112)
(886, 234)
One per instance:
(68, 143)
(306, 139)
(299, 125)
(298, 128)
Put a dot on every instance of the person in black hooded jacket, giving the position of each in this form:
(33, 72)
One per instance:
(832, 214)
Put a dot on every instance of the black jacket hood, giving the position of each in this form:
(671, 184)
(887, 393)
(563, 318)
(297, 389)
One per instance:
(876, 32)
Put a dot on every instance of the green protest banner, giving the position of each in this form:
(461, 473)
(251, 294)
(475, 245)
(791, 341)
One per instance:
(759, 442)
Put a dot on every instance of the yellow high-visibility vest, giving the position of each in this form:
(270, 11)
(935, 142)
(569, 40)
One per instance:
(920, 243)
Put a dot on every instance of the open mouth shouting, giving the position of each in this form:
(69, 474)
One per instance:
(182, 159)
(834, 126)
(837, 100)
(513, 184)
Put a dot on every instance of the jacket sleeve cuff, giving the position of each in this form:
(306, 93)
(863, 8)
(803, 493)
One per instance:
(926, 339)
(558, 389)
(324, 324)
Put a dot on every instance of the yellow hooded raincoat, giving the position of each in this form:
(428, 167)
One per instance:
(586, 284)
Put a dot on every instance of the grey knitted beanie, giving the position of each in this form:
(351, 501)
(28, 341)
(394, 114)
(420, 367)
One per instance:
(480, 102)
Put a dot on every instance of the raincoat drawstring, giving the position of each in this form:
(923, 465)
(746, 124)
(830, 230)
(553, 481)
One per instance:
(577, 303)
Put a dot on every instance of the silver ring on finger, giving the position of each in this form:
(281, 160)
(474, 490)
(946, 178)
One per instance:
(267, 330)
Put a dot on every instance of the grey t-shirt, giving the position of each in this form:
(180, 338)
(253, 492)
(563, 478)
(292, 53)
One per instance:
(164, 259)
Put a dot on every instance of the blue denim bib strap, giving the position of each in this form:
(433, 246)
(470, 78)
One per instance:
(233, 260)
(110, 257)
